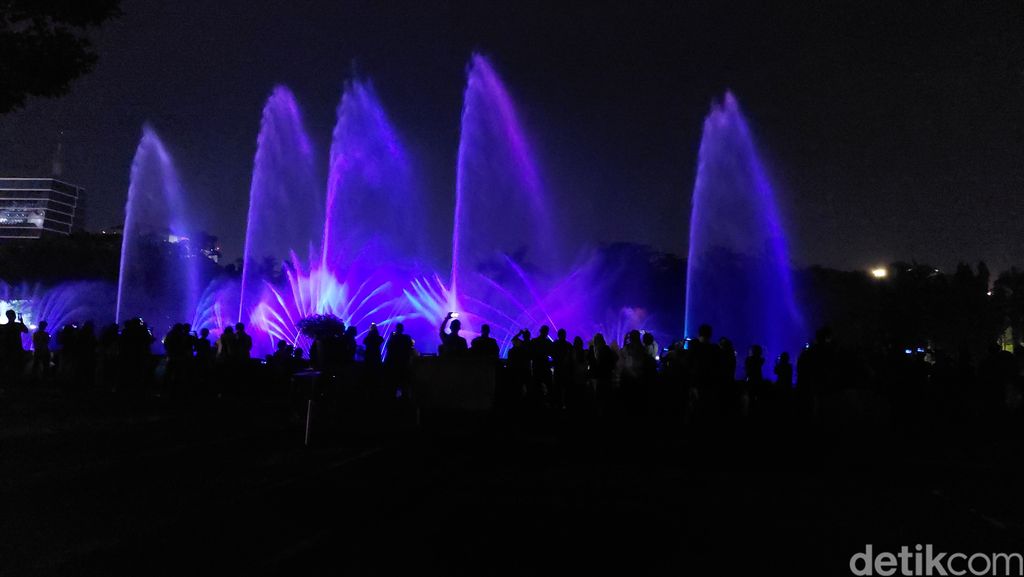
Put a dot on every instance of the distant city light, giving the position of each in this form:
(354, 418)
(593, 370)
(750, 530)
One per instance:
(880, 272)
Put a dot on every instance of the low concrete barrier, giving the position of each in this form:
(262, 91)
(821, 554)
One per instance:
(454, 384)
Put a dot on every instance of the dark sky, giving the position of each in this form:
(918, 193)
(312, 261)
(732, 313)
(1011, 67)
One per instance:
(892, 130)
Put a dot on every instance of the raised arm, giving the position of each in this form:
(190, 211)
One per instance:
(444, 325)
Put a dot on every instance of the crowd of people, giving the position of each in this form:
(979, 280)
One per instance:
(118, 356)
(698, 378)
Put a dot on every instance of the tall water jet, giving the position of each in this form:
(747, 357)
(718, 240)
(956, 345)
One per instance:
(738, 274)
(285, 198)
(365, 239)
(159, 276)
(500, 207)
(373, 207)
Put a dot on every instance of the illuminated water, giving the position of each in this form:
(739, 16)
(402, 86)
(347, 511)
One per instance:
(285, 198)
(739, 274)
(354, 244)
(159, 271)
(348, 253)
(73, 302)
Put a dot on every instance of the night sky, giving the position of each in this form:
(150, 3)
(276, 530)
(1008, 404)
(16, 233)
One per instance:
(890, 132)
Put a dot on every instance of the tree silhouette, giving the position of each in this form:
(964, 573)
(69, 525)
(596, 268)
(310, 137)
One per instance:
(44, 46)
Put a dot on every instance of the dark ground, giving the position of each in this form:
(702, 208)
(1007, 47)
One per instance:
(97, 484)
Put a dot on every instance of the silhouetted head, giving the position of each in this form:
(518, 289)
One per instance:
(704, 333)
(204, 333)
(297, 353)
(399, 328)
(485, 330)
(599, 340)
(784, 357)
(282, 345)
(633, 337)
(755, 351)
(373, 329)
(42, 325)
(240, 327)
(725, 344)
(577, 343)
(648, 339)
(561, 334)
(456, 326)
(544, 330)
(11, 315)
(351, 331)
(188, 327)
(229, 330)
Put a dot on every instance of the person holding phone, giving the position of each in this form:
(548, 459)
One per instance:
(452, 344)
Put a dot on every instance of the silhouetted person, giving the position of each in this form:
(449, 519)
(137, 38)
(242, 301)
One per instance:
(815, 372)
(540, 360)
(484, 346)
(299, 361)
(452, 344)
(178, 346)
(602, 360)
(12, 352)
(226, 345)
(752, 387)
(784, 372)
(41, 352)
(576, 395)
(372, 344)
(753, 365)
(651, 346)
(243, 349)
(398, 360)
(204, 355)
(561, 362)
(348, 346)
(637, 369)
(134, 353)
(67, 354)
(704, 358)
(399, 347)
(519, 365)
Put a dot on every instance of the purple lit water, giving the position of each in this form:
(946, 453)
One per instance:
(374, 210)
(506, 269)
(350, 255)
(739, 273)
(159, 276)
(73, 302)
(285, 198)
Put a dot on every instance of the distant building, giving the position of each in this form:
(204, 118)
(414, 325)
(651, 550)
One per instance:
(33, 207)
